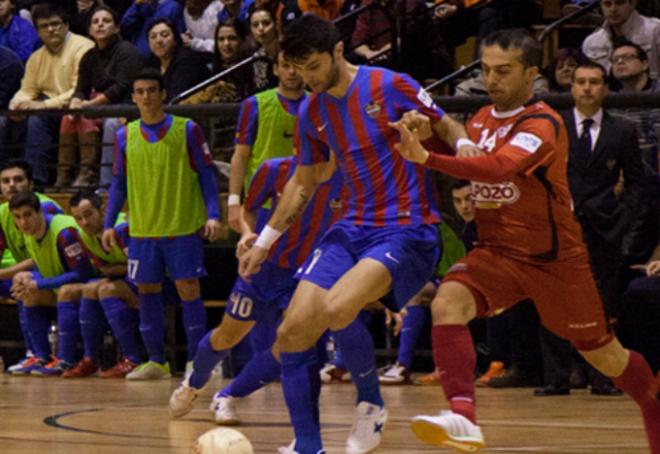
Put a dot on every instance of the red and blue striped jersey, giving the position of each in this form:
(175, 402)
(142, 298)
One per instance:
(326, 207)
(383, 188)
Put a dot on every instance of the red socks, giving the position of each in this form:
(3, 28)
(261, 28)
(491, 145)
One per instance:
(455, 358)
(638, 382)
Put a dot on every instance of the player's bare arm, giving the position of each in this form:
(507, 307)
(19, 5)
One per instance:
(447, 129)
(10, 271)
(410, 145)
(296, 195)
(239, 162)
(248, 221)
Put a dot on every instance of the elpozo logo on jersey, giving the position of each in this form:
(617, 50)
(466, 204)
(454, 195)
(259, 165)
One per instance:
(491, 196)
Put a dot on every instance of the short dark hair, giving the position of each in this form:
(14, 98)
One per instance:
(590, 64)
(21, 164)
(150, 73)
(459, 184)
(46, 10)
(641, 53)
(112, 12)
(517, 38)
(25, 199)
(86, 194)
(308, 34)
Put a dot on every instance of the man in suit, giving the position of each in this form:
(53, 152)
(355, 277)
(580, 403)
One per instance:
(602, 149)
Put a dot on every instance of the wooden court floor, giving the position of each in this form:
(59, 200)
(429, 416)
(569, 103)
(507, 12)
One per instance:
(45, 415)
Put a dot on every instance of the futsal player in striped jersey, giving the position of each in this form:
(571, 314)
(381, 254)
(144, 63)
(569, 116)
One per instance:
(15, 177)
(163, 168)
(261, 299)
(53, 243)
(385, 244)
(109, 296)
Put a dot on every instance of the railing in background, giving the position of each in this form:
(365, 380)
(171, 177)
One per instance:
(541, 38)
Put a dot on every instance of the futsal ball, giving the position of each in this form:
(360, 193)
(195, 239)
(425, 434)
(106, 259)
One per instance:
(223, 441)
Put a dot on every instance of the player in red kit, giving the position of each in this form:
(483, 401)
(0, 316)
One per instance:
(530, 245)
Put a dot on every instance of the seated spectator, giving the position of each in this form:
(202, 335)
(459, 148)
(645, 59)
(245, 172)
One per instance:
(106, 73)
(560, 71)
(12, 71)
(83, 13)
(264, 33)
(289, 10)
(631, 71)
(422, 49)
(630, 68)
(201, 17)
(230, 48)
(181, 68)
(16, 33)
(50, 76)
(640, 312)
(140, 16)
(236, 9)
(372, 36)
(623, 21)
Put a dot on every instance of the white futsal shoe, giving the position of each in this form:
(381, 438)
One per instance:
(183, 399)
(291, 449)
(224, 410)
(449, 430)
(368, 423)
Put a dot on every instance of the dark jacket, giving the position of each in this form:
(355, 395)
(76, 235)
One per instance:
(109, 71)
(186, 70)
(592, 186)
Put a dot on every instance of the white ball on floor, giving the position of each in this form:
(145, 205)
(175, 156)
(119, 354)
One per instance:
(223, 441)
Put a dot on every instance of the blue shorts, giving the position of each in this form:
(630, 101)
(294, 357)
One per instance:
(149, 259)
(410, 254)
(269, 290)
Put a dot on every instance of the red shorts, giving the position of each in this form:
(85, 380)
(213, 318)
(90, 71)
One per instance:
(564, 292)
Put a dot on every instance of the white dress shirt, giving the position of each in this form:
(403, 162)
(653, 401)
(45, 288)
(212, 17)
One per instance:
(595, 127)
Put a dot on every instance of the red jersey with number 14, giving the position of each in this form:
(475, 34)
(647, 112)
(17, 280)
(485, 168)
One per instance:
(529, 218)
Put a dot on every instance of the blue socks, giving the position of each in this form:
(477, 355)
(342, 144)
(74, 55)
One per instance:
(22, 319)
(194, 323)
(152, 325)
(91, 327)
(124, 321)
(357, 348)
(38, 323)
(262, 369)
(205, 360)
(69, 330)
(301, 385)
(413, 324)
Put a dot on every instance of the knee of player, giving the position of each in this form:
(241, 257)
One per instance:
(147, 289)
(446, 309)
(68, 293)
(290, 337)
(105, 289)
(188, 289)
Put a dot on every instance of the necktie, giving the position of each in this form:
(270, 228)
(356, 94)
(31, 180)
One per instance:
(584, 149)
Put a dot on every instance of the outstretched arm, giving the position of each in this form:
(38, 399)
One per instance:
(295, 197)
